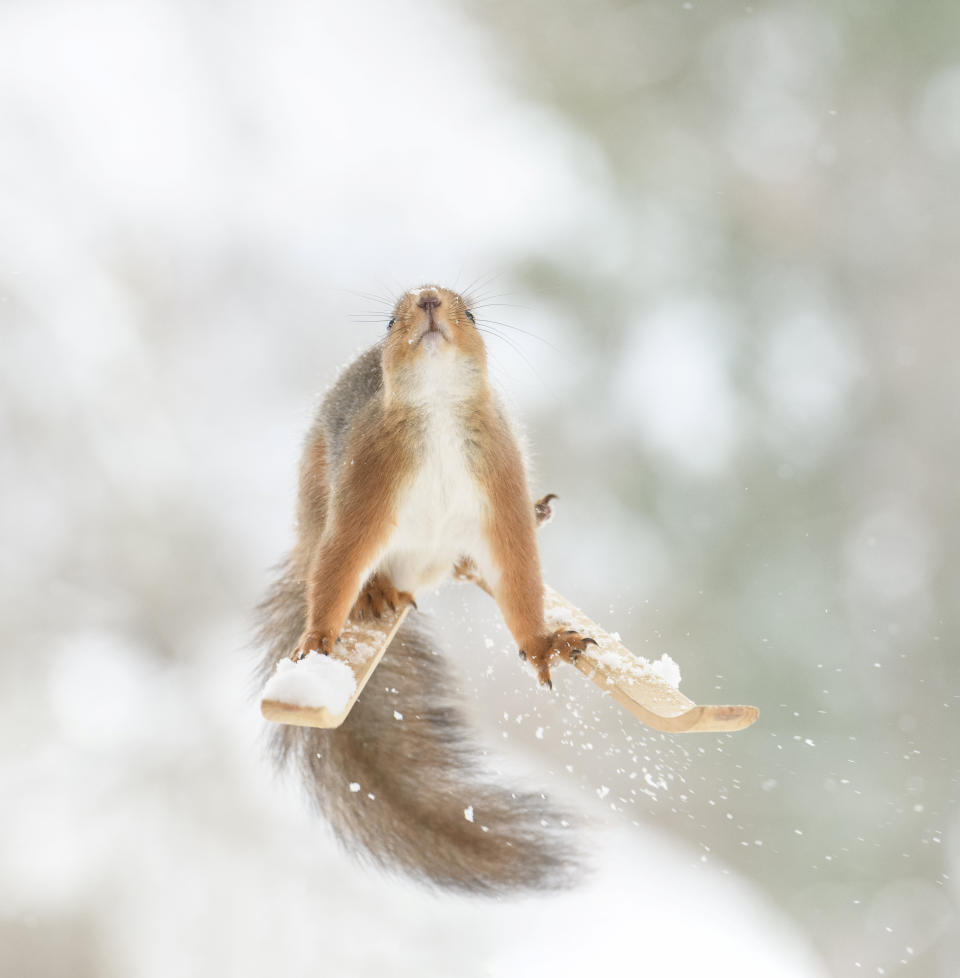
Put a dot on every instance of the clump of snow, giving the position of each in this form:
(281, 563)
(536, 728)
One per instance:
(315, 681)
(468, 813)
(667, 670)
(637, 667)
(609, 652)
(358, 650)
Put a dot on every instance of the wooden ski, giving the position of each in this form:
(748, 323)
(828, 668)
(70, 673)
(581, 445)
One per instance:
(361, 647)
(636, 686)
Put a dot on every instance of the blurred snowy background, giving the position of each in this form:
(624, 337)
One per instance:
(733, 232)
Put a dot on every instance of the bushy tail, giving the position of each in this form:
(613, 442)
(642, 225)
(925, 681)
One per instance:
(407, 793)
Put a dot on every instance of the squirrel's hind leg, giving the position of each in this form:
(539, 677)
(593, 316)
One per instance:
(379, 595)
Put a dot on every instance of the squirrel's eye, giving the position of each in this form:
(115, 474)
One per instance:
(390, 324)
(470, 315)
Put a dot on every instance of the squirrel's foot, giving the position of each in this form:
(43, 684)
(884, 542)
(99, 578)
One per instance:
(379, 595)
(564, 643)
(313, 642)
(542, 510)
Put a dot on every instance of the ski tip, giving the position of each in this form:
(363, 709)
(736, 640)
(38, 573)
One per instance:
(722, 719)
(299, 716)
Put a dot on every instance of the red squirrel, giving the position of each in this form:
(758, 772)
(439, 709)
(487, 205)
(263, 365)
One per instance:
(411, 471)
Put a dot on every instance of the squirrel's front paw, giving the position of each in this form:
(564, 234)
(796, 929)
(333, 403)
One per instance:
(313, 642)
(542, 510)
(564, 644)
(377, 596)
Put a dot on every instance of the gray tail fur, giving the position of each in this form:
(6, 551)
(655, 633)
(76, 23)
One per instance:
(421, 771)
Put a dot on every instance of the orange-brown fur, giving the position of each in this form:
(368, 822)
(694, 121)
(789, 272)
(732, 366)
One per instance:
(347, 515)
(357, 522)
(419, 398)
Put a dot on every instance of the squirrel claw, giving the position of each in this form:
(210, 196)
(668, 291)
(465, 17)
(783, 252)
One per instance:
(543, 670)
(312, 642)
(542, 509)
(565, 643)
(575, 652)
(379, 597)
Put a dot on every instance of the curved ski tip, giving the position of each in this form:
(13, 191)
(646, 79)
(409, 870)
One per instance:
(299, 716)
(726, 719)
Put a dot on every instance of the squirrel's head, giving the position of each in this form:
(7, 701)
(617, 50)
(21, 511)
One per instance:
(432, 337)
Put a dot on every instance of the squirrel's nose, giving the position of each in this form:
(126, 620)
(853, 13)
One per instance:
(429, 300)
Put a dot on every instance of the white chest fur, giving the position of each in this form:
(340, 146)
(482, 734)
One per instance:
(442, 513)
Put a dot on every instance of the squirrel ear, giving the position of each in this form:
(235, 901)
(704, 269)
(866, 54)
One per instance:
(390, 324)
